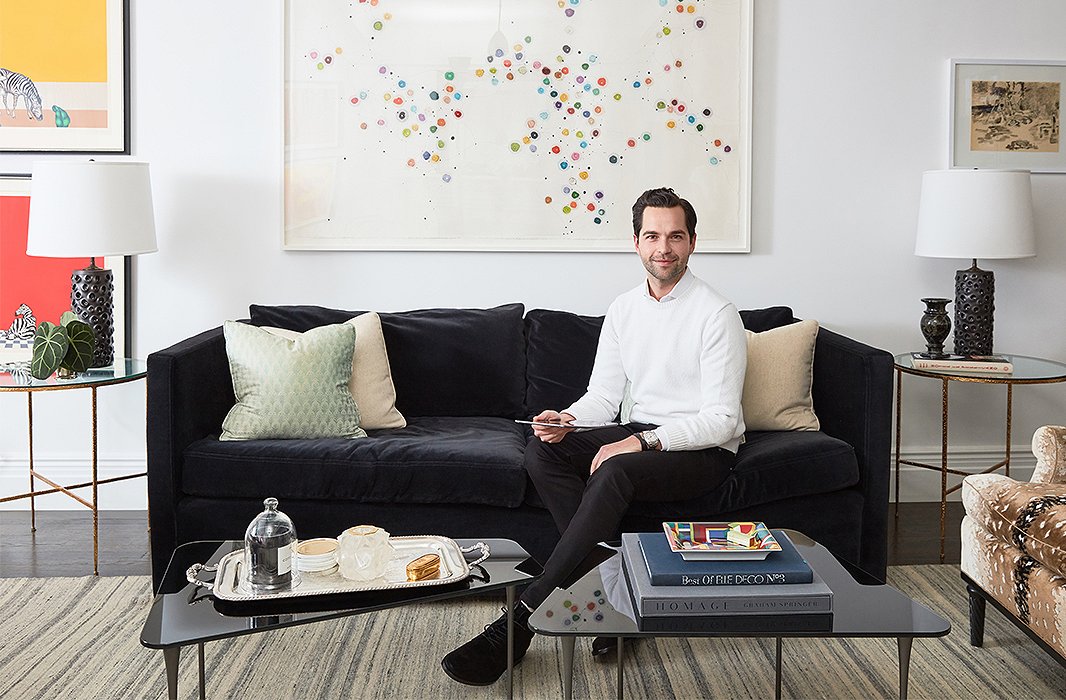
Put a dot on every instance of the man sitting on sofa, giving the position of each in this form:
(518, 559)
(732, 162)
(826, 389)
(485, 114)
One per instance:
(681, 349)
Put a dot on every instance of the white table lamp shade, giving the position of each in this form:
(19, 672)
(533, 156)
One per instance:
(976, 214)
(90, 209)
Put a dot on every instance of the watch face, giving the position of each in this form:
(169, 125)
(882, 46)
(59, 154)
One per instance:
(651, 438)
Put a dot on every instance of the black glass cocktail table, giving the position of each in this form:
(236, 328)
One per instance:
(183, 614)
(598, 605)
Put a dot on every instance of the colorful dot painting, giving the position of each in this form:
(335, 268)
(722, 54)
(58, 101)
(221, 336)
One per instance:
(582, 122)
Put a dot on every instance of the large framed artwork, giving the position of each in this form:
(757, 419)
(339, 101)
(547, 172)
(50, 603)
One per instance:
(34, 289)
(507, 125)
(1007, 114)
(64, 76)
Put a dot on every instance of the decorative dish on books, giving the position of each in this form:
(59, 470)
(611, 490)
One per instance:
(739, 540)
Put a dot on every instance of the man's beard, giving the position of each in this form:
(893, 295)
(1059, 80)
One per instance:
(669, 274)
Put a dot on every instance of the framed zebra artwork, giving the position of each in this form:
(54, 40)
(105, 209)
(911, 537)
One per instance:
(64, 76)
(484, 125)
(34, 289)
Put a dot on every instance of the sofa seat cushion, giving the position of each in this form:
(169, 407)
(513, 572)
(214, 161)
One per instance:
(1023, 515)
(771, 466)
(432, 460)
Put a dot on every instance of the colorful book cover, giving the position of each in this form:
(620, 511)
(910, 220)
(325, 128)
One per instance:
(668, 568)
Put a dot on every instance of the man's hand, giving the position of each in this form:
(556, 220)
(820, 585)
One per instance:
(630, 444)
(552, 434)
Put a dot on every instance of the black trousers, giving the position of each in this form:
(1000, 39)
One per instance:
(589, 509)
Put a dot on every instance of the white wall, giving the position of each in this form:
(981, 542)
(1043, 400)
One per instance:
(850, 106)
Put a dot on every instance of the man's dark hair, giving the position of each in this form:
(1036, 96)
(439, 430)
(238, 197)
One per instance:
(667, 199)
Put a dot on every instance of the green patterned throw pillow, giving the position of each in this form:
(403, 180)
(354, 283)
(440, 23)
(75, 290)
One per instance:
(291, 388)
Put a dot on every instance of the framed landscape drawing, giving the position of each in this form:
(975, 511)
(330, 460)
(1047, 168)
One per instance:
(500, 125)
(1007, 114)
(34, 289)
(64, 76)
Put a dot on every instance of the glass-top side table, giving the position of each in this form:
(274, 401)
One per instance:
(17, 378)
(1027, 370)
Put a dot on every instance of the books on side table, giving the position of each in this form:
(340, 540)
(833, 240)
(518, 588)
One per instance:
(779, 593)
(980, 364)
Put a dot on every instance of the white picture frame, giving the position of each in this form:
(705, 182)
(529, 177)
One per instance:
(1007, 114)
(378, 156)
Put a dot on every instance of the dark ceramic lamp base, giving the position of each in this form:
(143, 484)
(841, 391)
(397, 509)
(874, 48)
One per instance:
(974, 297)
(91, 292)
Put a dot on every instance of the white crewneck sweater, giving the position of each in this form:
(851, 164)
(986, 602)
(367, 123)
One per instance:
(684, 359)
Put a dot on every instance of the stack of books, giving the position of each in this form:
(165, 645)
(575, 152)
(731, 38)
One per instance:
(777, 593)
(979, 364)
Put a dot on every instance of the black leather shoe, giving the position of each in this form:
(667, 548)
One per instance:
(483, 659)
(606, 648)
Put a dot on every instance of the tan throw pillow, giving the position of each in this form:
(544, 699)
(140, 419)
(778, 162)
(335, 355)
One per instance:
(371, 384)
(777, 385)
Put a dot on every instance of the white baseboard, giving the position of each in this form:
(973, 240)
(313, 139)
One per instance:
(129, 494)
(916, 484)
(923, 485)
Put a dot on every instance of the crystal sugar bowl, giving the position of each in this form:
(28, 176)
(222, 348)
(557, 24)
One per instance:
(268, 551)
(364, 553)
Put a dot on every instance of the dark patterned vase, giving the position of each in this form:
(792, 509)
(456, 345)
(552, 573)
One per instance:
(936, 324)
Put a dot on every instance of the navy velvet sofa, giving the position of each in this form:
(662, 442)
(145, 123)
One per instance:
(462, 376)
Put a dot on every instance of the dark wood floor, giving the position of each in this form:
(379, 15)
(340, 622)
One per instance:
(63, 542)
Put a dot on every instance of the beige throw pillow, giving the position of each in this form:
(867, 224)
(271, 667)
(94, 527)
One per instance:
(371, 384)
(777, 385)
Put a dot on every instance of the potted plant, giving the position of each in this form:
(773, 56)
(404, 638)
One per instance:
(67, 347)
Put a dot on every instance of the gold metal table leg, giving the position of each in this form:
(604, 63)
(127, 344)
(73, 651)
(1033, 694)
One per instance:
(943, 464)
(1006, 457)
(33, 505)
(96, 505)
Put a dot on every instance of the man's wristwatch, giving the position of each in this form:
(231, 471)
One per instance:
(648, 440)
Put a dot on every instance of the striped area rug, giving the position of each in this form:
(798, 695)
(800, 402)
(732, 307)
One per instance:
(78, 638)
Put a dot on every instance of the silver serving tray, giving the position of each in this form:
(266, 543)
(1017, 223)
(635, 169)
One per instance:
(232, 584)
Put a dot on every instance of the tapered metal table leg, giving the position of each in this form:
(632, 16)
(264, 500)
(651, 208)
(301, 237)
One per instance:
(568, 666)
(510, 641)
(171, 657)
(777, 672)
(904, 644)
(203, 675)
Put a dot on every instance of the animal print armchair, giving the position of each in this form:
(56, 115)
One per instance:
(1014, 545)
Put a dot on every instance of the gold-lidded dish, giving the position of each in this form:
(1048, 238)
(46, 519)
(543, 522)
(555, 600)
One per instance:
(318, 554)
(424, 567)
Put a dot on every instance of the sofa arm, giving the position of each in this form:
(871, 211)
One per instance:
(1049, 448)
(189, 393)
(852, 395)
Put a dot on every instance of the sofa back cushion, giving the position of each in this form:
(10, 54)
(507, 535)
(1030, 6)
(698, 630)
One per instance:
(561, 347)
(762, 320)
(445, 362)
